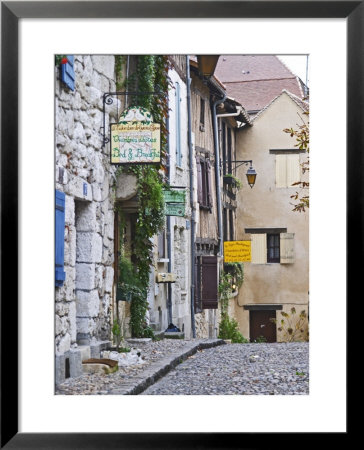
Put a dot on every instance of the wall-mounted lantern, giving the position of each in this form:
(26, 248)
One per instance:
(251, 174)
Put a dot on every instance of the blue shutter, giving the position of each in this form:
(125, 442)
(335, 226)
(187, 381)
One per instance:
(68, 72)
(59, 250)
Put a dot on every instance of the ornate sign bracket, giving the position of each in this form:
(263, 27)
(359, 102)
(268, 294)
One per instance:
(108, 99)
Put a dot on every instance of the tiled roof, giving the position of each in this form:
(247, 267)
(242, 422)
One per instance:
(231, 68)
(255, 80)
(301, 103)
(254, 95)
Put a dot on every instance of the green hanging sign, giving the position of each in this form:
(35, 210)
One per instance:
(174, 196)
(174, 202)
(175, 209)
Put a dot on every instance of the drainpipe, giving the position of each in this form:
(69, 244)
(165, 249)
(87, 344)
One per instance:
(169, 242)
(217, 170)
(189, 114)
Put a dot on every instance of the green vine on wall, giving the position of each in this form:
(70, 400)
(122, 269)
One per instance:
(228, 327)
(151, 76)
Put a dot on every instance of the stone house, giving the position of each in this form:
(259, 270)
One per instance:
(277, 279)
(89, 195)
(84, 212)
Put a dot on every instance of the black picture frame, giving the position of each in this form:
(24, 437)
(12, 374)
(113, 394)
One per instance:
(11, 12)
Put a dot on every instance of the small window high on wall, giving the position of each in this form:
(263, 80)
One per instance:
(288, 170)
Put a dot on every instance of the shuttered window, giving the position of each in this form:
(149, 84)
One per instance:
(209, 279)
(272, 248)
(287, 248)
(287, 170)
(206, 283)
(204, 188)
(259, 248)
(68, 72)
(59, 238)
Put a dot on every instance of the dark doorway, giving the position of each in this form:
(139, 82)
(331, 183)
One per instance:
(262, 326)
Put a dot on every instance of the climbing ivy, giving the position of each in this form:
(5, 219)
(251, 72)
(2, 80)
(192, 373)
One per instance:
(151, 76)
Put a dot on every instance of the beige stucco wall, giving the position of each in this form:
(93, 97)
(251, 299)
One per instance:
(266, 206)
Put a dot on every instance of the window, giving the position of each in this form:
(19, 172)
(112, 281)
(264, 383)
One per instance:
(223, 140)
(202, 114)
(229, 151)
(204, 188)
(287, 170)
(178, 126)
(206, 283)
(231, 224)
(272, 248)
(162, 244)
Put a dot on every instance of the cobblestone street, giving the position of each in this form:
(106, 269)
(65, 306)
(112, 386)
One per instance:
(228, 369)
(243, 369)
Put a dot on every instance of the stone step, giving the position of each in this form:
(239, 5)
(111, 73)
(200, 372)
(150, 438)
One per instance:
(174, 335)
(159, 334)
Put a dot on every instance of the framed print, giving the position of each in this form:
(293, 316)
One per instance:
(27, 237)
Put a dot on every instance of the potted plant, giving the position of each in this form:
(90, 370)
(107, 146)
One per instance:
(232, 180)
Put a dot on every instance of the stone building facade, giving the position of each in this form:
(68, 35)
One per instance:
(84, 175)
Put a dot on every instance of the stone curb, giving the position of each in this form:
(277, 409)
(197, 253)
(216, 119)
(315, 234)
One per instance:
(160, 368)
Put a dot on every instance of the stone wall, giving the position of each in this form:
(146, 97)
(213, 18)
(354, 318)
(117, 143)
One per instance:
(83, 173)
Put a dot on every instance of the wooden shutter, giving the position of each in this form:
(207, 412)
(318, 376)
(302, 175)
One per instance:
(199, 181)
(281, 171)
(59, 238)
(197, 290)
(208, 184)
(293, 169)
(287, 170)
(287, 248)
(209, 280)
(259, 248)
(68, 72)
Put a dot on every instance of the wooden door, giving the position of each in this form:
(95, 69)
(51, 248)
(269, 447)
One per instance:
(261, 325)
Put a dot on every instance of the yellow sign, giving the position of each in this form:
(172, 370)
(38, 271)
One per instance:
(237, 251)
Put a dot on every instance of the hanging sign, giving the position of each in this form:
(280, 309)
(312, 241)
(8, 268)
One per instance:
(175, 209)
(174, 202)
(135, 139)
(237, 251)
(174, 196)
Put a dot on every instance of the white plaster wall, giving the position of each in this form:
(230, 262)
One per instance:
(267, 206)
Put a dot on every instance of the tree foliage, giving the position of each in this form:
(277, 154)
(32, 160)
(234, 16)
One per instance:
(302, 135)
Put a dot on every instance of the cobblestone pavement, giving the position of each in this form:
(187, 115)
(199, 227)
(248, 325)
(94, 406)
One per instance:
(247, 369)
(156, 354)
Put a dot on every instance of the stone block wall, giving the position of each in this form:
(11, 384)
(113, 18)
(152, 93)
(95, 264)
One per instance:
(83, 172)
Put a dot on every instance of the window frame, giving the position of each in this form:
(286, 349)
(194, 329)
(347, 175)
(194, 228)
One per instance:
(273, 244)
(204, 183)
